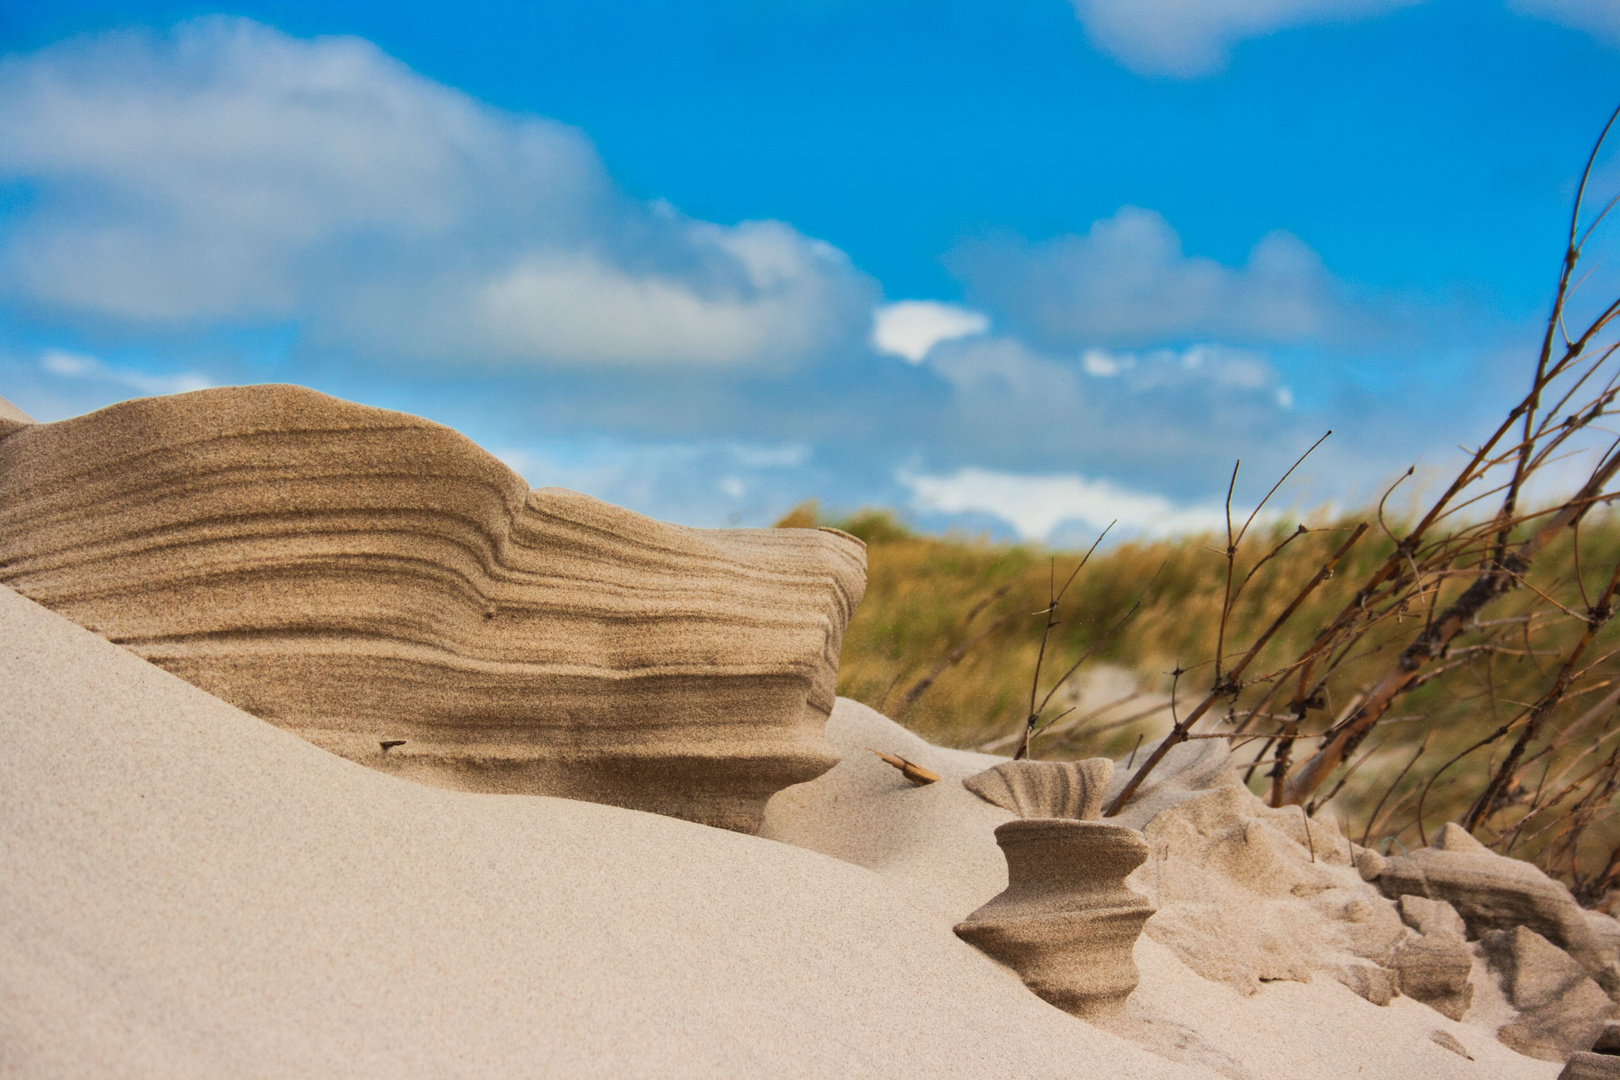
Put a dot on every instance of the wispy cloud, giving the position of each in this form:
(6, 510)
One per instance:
(911, 328)
(1167, 421)
(72, 365)
(1210, 373)
(1188, 38)
(1036, 505)
(1600, 18)
(1222, 365)
(230, 173)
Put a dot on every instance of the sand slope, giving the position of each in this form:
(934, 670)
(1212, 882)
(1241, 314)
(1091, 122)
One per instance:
(188, 891)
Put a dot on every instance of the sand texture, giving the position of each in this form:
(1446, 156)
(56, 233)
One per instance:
(12, 418)
(1493, 892)
(384, 588)
(1437, 969)
(1591, 1067)
(1046, 789)
(189, 890)
(186, 891)
(1066, 922)
(935, 848)
(1561, 1009)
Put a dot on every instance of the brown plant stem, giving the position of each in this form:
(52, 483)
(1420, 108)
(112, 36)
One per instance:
(1230, 682)
(1497, 578)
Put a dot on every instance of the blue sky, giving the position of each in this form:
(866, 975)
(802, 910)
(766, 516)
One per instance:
(1016, 265)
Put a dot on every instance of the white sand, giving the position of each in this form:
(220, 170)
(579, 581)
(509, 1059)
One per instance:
(188, 891)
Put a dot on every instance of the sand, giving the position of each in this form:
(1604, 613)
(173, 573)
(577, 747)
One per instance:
(936, 848)
(387, 589)
(186, 890)
(189, 891)
(12, 418)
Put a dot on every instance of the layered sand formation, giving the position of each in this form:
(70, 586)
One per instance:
(1066, 922)
(1490, 893)
(187, 891)
(384, 588)
(1046, 789)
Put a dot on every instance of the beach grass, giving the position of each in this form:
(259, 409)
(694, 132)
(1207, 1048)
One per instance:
(963, 617)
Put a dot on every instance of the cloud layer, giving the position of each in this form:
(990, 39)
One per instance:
(388, 239)
(227, 172)
(1187, 38)
(1600, 18)
(1126, 281)
(1036, 505)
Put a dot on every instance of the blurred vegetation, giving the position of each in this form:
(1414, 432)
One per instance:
(931, 599)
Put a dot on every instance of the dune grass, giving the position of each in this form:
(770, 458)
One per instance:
(934, 600)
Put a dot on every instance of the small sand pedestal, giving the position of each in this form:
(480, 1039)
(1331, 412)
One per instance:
(1066, 922)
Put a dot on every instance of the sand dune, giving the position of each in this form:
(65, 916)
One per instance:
(188, 891)
(935, 847)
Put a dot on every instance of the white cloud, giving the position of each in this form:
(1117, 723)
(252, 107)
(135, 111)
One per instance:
(1600, 18)
(229, 173)
(1127, 281)
(577, 307)
(1171, 412)
(1104, 364)
(911, 328)
(1187, 38)
(1035, 505)
(72, 365)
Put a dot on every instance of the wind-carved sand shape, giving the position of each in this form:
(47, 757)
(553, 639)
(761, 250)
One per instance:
(1045, 789)
(1066, 922)
(360, 576)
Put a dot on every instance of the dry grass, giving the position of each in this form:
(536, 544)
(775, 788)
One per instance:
(927, 596)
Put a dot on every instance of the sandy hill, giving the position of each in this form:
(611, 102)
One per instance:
(189, 891)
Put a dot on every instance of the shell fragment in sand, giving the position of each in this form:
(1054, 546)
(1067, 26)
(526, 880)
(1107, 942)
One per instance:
(909, 769)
